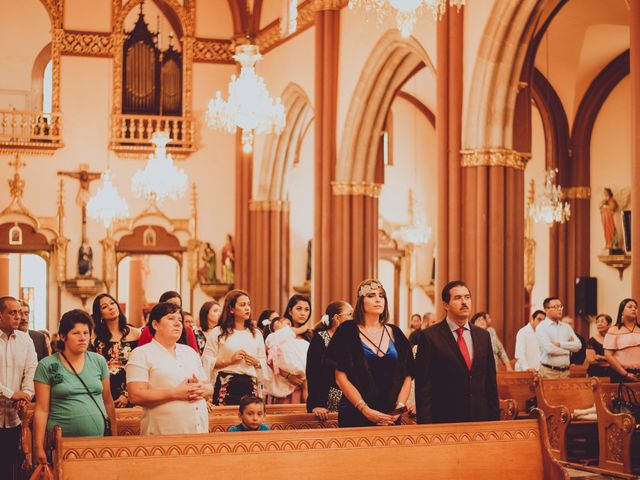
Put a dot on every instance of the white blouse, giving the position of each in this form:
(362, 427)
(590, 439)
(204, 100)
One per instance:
(154, 364)
(225, 348)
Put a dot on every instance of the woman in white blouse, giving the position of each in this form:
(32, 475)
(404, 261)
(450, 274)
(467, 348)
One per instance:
(234, 355)
(167, 379)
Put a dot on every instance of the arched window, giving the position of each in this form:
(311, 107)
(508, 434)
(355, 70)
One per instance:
(47, 88)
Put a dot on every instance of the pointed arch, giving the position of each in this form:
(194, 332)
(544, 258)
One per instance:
(391, 63)
(281, 151)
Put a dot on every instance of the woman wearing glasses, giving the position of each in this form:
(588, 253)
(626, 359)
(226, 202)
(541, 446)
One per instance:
(324, 395)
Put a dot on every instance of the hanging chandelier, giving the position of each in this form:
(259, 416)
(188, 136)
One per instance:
(107, 205)
(405, 11)
(249, 106)
(548, 206)
(416, 232)
(160, 178)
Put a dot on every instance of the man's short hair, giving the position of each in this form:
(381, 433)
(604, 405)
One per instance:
(446, 291)
(548, 300)
(4, 300)
(536, 313)
(250, 400)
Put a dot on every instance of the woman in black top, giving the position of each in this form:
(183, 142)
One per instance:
(373, 362)
(324, 395)
(598, 365)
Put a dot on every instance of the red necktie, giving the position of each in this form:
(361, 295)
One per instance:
(462, 345)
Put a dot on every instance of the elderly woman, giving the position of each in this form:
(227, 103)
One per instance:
(167, 379)
(373, 362)
(72, 387)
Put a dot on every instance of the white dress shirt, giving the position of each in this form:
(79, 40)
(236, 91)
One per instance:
(527, 350)
(466, 335)
(225, 348)
(18, 362)
(154, 364)
(550, 332)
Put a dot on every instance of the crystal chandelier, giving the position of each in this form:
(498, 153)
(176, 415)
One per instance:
(406, 11)
(160, 178)
(107, 205)
(548, 206)
(416, 232)
(249, 106)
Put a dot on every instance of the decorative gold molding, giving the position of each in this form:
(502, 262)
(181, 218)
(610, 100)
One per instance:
(619, 262)
(269, 206)
(92, 44)
(329, 4)
(211, 50)
(356, 188)
(576, 193)
(495, 157)
(271, 35)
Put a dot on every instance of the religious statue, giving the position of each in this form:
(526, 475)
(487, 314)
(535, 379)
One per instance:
(85, 260)
(608, 210)
(207, 271)
(228, 260)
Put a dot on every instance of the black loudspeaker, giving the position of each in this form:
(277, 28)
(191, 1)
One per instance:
(586, 294)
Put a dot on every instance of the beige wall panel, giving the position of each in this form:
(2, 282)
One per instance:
(213, 19)
(94, 15)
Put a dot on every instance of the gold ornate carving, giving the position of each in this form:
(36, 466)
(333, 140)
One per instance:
(615, 448)
(529, 264)
(576, 193)
(269, 206)
(213, 51)
(93, 44)
(329, 4)
(619, 262)
(495, 157)
(356, 188)
(271, 35)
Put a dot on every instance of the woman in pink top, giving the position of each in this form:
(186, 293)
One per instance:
(622, 344)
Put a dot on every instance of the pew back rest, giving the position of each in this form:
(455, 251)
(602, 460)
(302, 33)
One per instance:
(572, 393)
(449, 451)
(607, 392)
(517, 386)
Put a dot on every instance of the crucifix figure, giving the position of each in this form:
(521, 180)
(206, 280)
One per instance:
(85, 253)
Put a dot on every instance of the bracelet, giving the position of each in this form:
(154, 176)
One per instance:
(400, 405)
(360, 403)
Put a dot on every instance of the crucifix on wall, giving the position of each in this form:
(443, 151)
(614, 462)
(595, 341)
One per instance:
(85, 253)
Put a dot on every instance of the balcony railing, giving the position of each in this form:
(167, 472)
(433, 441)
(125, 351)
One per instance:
(30, 130)
(131, 134)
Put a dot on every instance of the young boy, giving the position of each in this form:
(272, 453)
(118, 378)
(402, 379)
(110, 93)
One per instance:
(251, 415)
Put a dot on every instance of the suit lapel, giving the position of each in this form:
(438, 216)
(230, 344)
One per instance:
(448, 339)
(476, 345)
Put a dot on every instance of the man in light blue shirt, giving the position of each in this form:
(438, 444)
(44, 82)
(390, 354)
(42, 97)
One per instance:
(556, 340)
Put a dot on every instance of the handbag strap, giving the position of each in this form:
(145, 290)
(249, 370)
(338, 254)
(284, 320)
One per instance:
(627, 394)
(84, 385)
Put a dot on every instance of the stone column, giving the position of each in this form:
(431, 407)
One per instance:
(635, 144)
(244, 184)
(136, 289)
(354, 238)
(4, 274)
(449, 133)
(269, 254)
(327, 41)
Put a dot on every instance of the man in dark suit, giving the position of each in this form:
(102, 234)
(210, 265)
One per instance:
(455, 370)
(39, 340)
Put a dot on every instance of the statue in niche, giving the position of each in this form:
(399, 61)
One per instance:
(85, 260)
(228, 260)
(207, 271)
(609, 211)
(308, 277)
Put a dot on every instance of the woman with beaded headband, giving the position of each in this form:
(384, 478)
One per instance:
(373, 362)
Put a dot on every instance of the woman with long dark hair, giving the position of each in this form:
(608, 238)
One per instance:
(207, 319)
(622, 344)
(115, 339)
(298, 310)
(373, 362)
(234, 356)
(324, 395)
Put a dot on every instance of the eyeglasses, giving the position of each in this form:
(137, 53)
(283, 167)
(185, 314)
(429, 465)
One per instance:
(557, 307)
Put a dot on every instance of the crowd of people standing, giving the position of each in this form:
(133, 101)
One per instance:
(354, 362)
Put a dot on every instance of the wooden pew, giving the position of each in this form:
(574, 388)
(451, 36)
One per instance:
(618, 433)
(517, 386)
(442, 452)
(558, 398)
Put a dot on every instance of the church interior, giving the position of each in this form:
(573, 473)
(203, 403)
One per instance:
(289, 147)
